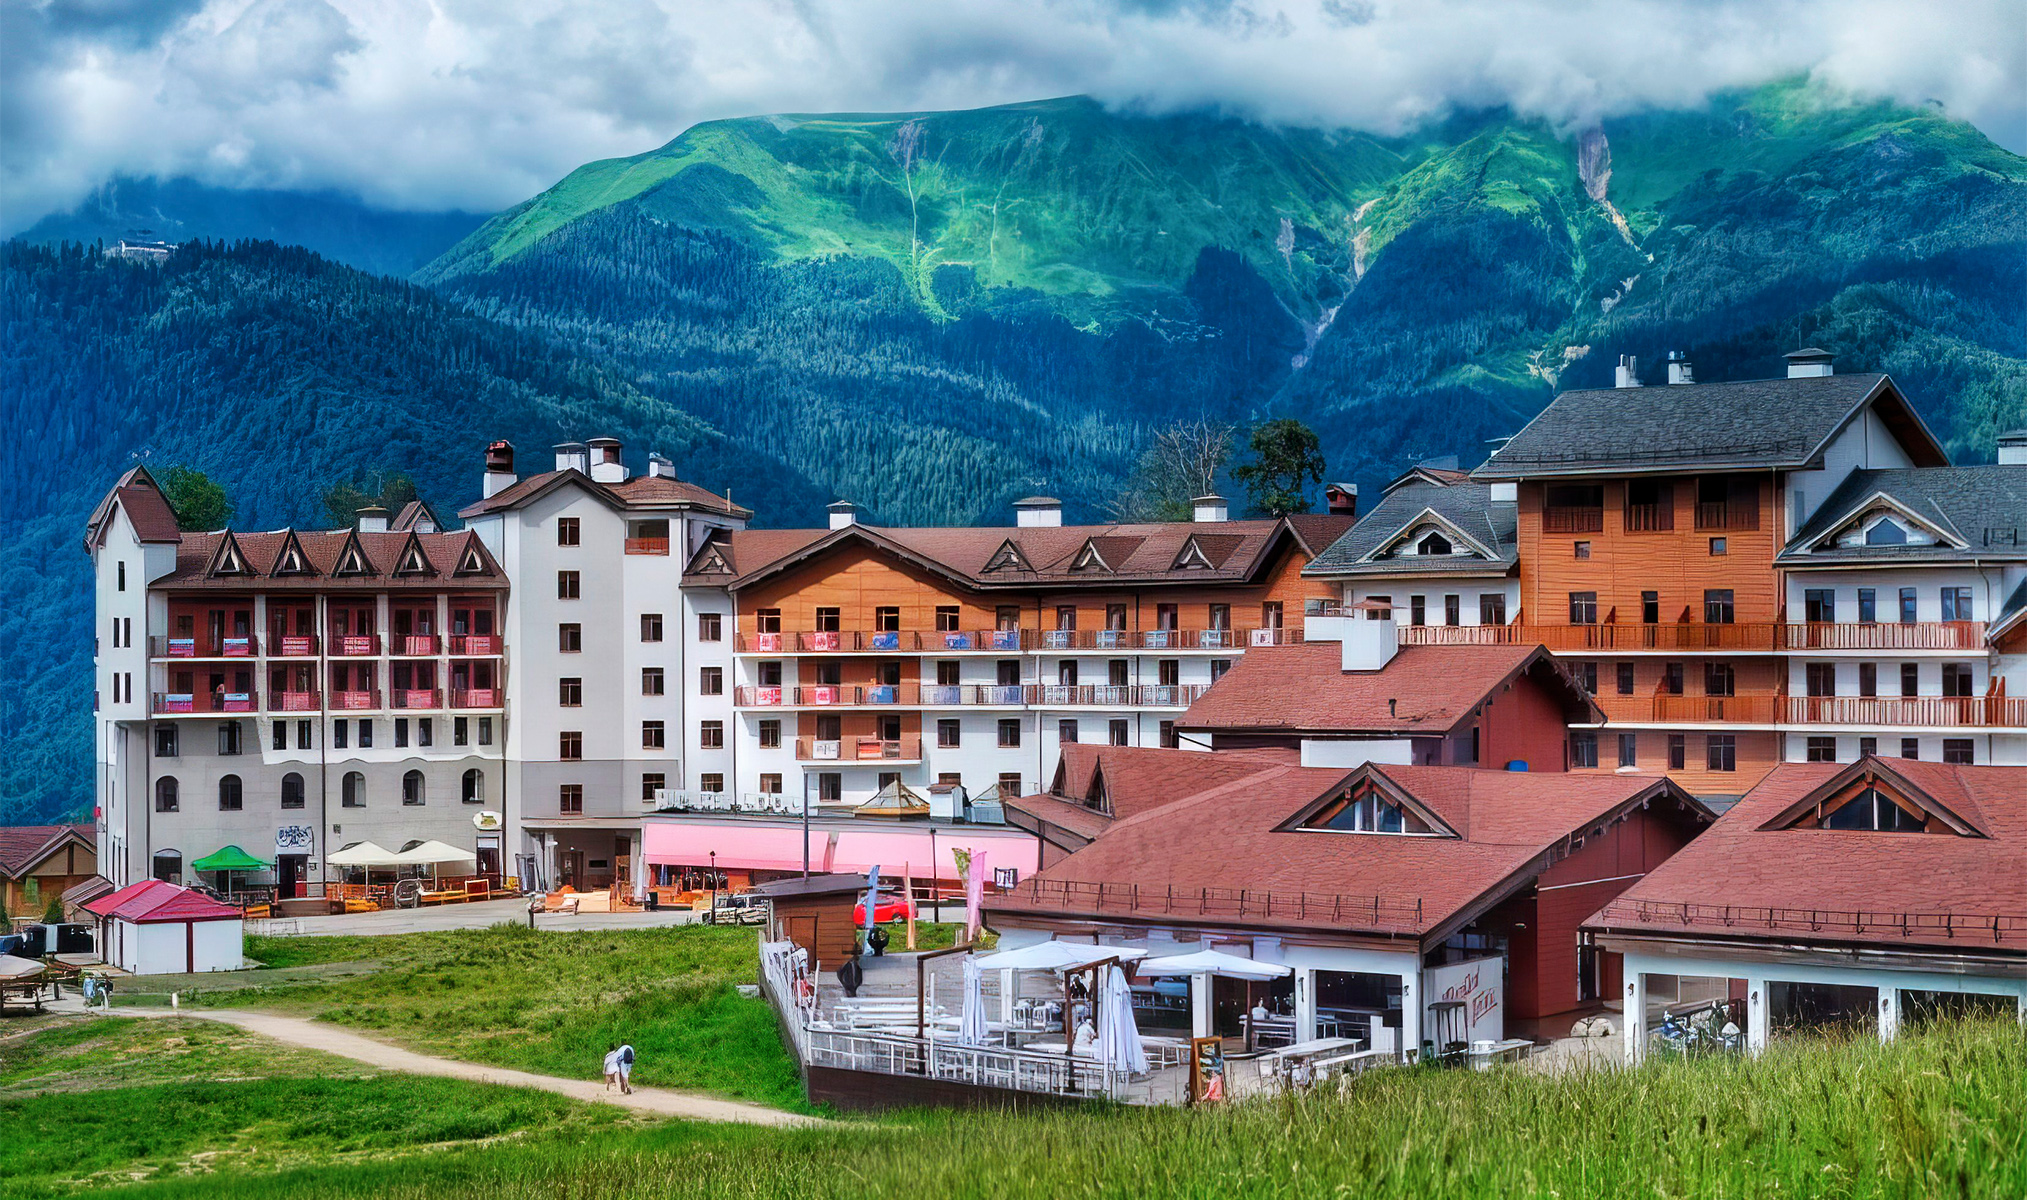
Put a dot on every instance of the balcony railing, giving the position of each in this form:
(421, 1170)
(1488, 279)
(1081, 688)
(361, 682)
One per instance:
(415, 698)
(1650, 518)
(1721, 517)
(1572, 520)
(658, 545)
(475, 698)
(474, 644)
(354, 645)
(355, 699)
(203, 647)
(984, 695)
(414, 644)
(1957, 712)
(1689, 636)
(1011, 641)
(1054, 695)
(859, 749)
(294, 645)
(1913, 635)
(204, 702)
(294, 701)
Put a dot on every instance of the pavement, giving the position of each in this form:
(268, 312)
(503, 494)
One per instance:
(477, 915)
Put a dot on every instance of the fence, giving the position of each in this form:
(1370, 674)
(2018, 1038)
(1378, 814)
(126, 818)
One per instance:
(1366, 912)
(1913, 926)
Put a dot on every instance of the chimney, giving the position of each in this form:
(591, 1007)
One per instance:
(571, 456)
(843, 513)
(1207, 509)
(1628, 374)
(499, 468)
(2013, 448)
(659, 466)
(1809, 362)
(1341, 499)
(1678, 368)
(605, 464)
(372, 519)
(1369, 638)
(1038, 512)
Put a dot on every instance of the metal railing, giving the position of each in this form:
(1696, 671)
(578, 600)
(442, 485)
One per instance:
(475, 644)
(414, 645)
(475, 698)
(366, 699)
(172, 703)
(969, 695)
(1013, 641)
(1691, 636)
(295, 701)
(242, 646)
(415, 698)
(1368, 912)
(859, 749)
(1948, 926)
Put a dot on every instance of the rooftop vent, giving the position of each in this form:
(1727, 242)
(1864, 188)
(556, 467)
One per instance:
(1211, 508)
(1341, 499)
(572, 456)
(2013, 447)
(1808, 362)
(372, 519)
(659, 466)
(1678, 368)
(605, 464)
(1628, 374)
(1037, 512)
(843, 513)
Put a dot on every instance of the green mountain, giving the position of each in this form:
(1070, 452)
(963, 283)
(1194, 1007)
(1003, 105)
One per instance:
(933, 314)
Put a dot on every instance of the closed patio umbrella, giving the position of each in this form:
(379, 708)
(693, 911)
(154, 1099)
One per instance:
(971, 1027)
(1119, 1040)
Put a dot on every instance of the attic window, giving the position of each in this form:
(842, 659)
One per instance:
(1365, 811)
(229, 561)
(713, 560)
(353, 562)
(413, 561)
(1088, 559)
(1192, 558)
(1873, 809)
(1888, 532)
(472, 563)
(292, 562)
(1434, 543)
(1007, 558)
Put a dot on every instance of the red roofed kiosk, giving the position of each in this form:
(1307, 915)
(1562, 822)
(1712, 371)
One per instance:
(157, 928)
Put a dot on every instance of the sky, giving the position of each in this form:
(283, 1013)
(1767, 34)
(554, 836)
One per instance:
(478, 104)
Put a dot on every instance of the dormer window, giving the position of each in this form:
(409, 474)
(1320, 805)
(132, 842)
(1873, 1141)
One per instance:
(1888, 532)
(1871, 797)
(1366, 810)
(1873, 809)
(1089, 559)
(1193, 558)
(353, 561)
(1007, 558)
(472, 562)
(413, 561)
(1434, 543)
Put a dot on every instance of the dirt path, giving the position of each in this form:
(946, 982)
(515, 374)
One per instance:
(313, 1035)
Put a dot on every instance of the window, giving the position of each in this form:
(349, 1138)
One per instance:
(1868, 606)
(485, 731)
(1434, 543)
(1580, 549)
(653, 735)
(401, 731)
(946, 618)
(1910, 747)
(654, 781)
(472, 789)
(279, 738)
(1719, 547)
(304, 733)
(1365, 812)
(1628, 750)
(1010, 732)
(1009, 784)
(165, 794)
(570, 798)
(1868, 679)
(1819, 605)
(339, 733)
(827, 620)
(1116, 733)
(229, 794)
(1418, 610)
(411, 789)
(352, 790)
(1650, 608)
(767, 620)
(1166, 735)
(651, 627)
(292, 790)
(123, 575)
(711, 735)
(1721, 752)
(1821, 678)
(1910, 679)
(1587, 675)
(1822, 750)
(1907, 606)
(829, 728)
(947, 673)
(1958, 679)
(1625, 680)
(1221, 616)
(1218, 668)
(570, 746)
(652, 682)
(1717, 606)
(1671, 678)
(1719, 679)
(1453, 610)
(1492, 608)
(770, 674)
(1008, 672)
(948, 734)
(566, 585)
(710, 627)
(886, 619)
(1867, 747)
(1872, 809)
(770, 784)
(1888, 532)
(228, 737)
(711, 681)
(1168, 672)
(1678, 751)
(1583, 748)
(1270, 614)
(570, 638)
(1066, 731)
(1583, 608)
(165, 741)
(570, 692)
(1117, 671)
(1958, 751)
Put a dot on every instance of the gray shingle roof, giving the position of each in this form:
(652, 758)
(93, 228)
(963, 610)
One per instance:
(1984, 506)
(1759, 423)
(1468, 506)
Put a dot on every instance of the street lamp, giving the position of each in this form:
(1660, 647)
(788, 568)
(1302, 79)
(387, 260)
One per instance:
(714, 887)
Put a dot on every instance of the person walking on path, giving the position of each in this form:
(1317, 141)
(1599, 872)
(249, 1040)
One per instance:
(626, 1068)
(611, 1065)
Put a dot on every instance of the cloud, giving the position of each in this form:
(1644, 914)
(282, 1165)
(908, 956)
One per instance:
(479, 104)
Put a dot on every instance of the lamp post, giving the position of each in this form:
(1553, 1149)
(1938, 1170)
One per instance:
(714, 887)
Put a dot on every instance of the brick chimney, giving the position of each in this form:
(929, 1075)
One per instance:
(499, 468)
(1341, 499)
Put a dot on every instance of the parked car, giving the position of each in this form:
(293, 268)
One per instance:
(737, 910)
(887, 907)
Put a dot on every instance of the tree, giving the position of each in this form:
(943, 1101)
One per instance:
(1181, 464)
(53, 915)
(199, 503)
(388, 489)
(1287, 458)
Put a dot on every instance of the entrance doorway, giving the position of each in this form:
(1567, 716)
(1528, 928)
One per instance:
(289, 876)
(573, 869)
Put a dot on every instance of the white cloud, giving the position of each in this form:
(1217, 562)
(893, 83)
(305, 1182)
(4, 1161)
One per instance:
(480, 103)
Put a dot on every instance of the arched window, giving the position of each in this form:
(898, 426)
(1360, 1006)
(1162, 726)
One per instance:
(475, 786)
(166, 794)
(292, 790)
(1434, 543)
(411, 788)
(352, 790)
(228, 794)
(168, 865)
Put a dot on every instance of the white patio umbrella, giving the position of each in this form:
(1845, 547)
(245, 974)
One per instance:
(1211, 962)
(1119, 1037)
(13, 967)
(971, 1027)
(1051, 955)
(428, 854)
(364, 854)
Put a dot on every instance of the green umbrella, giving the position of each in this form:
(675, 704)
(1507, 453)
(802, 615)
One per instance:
(230, 858)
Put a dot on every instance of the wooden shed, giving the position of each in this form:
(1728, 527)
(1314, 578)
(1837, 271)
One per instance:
(816, 914)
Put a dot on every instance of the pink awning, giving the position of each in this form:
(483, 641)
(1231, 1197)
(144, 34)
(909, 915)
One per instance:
(742, 845)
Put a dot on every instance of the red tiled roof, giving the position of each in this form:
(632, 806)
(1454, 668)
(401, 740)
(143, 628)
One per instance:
(1303, 688)
(1228, 837)
(146, 508)
(23, 846)
(323, 548)
(1318, 530)
(1076, 818)
(1742, 880)
(640, 491)
(152, 901)
(1137, 778)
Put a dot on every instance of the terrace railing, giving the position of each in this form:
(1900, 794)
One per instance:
(1402, 913)
(1969, 928)
(1743, 637)
(241, 646)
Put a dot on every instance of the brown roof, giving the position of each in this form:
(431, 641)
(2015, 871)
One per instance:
(1202, 849)
(1746, 880)
(1070, 815)
(146, 508)
(1236, 551)
(1304, 688)
(1318, 530)
(640, 491)
(412, 512)
(1127, 780)
(23, 846)
(445, 552)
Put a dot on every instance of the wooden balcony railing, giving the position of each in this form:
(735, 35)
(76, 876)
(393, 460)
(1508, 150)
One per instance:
(859, 749)
(414, 644)
(647, 545)
(294, 701)
(475, 697)
(1650, 518)
(1955, 712)
(1572, 520)
(1757, 637)
(415, 698)
(354, 645)
(1722, 517)
(1921, 635)
(474, 644)
(1012, 641)
(203, 702)
(203, 647)
(1052, 695)
(987, 695)
(369, 699)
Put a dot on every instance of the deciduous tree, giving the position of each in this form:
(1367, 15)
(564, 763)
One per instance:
(1287, 458)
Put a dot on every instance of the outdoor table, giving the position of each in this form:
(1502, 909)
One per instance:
(1312, 1046)
(1510, 1050)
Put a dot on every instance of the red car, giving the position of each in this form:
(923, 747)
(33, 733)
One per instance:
(887, 907)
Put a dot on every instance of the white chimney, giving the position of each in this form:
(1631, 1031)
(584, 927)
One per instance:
(571, 456)
(1037, 512)
(1678, 368)
(499, 468)
(1368, 645)
(844, 513)
(659, 466)
(605, 464)
(2013, 448)
(372, 519)
(1809, 362)
(1208, 508)
(1628, 374)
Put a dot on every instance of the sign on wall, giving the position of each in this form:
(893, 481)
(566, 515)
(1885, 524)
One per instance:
(1481, 985)
(295, 839)
(486, 821)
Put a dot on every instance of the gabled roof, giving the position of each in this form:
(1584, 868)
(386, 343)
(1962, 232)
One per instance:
(2012, 615)
(1980, 512)
(1466, 508)
(417, 515)
(1749, 878)
(23, 847)
(653, 492)
(459, 554)
(227, 559)
(152, 901)
(1880, 773)
(413, 558)
(291, 558)
(1303, 689)
(147, 509)
(1753, 424)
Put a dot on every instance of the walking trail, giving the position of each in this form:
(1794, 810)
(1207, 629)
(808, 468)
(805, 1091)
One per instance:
(313, 1035)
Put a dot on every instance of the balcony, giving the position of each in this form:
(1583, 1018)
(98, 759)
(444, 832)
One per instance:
(1048, 695)
(475, 697)
(203, 647)
(294, 645)
(1921, 635)
(1722, 517)
(860, 749)
(355, 700)
(978, 695)
(355, 645)
(1752, 708)
(647, 545)
(415, 698)
(474, 645)
(1650, 518)
(415, 645)
(294, 701)
(1755, 637)
(176, 703)
(969, 695)
(1953, 712)
(1572, 520)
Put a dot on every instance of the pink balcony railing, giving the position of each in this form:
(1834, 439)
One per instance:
(203, 647)
(293, 645)
(294, 701)
(355, 645)
(204, 702)
(475, 698)
(415, 698)
(355, 699)
(474, 643)
(415, 644)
